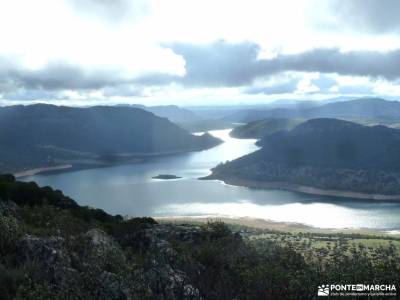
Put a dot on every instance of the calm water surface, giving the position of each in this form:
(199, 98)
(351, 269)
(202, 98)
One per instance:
(130, 190)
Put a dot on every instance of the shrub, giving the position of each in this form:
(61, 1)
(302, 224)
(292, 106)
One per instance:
(10, 279)
(10, 231)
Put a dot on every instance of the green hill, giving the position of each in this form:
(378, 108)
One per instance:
(37, 135)
(173, 113)
(261, 128)
(326, 154)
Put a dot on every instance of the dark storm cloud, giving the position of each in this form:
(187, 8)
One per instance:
(376, 16)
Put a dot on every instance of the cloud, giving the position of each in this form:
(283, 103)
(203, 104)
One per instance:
(56, 76)
(279, 88)
(321, 84)
(277, 84)
(28, 95)
(332, 60)
(219, 63)
(59, 80)
(228, 64)
(355, 89)
(125, 90)
(324, 83)
(157, 78)
(375, 16)
(111, 10)
(183, 49)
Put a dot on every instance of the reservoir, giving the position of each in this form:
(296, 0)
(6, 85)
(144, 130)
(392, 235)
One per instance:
(130, 190)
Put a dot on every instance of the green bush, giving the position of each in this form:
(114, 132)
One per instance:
(47, 220)
(32, 290)
(10, 231)
(10, 279)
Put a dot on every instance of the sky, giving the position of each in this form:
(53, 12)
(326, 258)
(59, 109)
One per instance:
(190, 52)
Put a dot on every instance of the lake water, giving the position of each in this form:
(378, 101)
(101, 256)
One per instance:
(130, 190)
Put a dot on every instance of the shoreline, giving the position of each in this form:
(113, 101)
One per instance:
(73, 166)
(31, 172)
(286, 186)
(125, 159)
(291, 227)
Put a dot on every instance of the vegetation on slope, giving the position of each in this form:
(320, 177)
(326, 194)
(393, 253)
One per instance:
(261, 128)
(173, 113)
(41, 135)
(52, 248)
(326, 154)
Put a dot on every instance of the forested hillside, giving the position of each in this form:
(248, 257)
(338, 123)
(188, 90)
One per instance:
(327, 154)
(38, 135)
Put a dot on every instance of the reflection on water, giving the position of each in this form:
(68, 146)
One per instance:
(130, 190)
(326, 215)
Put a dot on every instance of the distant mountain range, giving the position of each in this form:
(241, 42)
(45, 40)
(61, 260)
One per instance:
(364, 109)
(184, 118)
(38, 135)
(261, 128)
(327, 154)
(174, 113)
(205, 125)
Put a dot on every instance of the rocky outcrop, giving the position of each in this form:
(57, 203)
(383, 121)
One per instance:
(8, 208)
(159, 277)
(155, 278)
(10, 227)
(99, 238)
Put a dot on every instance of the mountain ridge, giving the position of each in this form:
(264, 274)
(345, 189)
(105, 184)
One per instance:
(369, 109)
(327, 154)
(35, 135)
(260, 128)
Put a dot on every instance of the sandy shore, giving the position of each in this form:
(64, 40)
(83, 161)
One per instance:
(305, 189)
(91, 163)
(32, 172)
(273, 225)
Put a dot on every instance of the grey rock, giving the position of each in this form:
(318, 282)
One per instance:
(8, 208)
(99, 238)
(47, 252)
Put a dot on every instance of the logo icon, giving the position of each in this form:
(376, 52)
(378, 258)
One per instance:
(360, 287)
(323, 290)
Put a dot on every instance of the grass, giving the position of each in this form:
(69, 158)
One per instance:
(309, 241)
